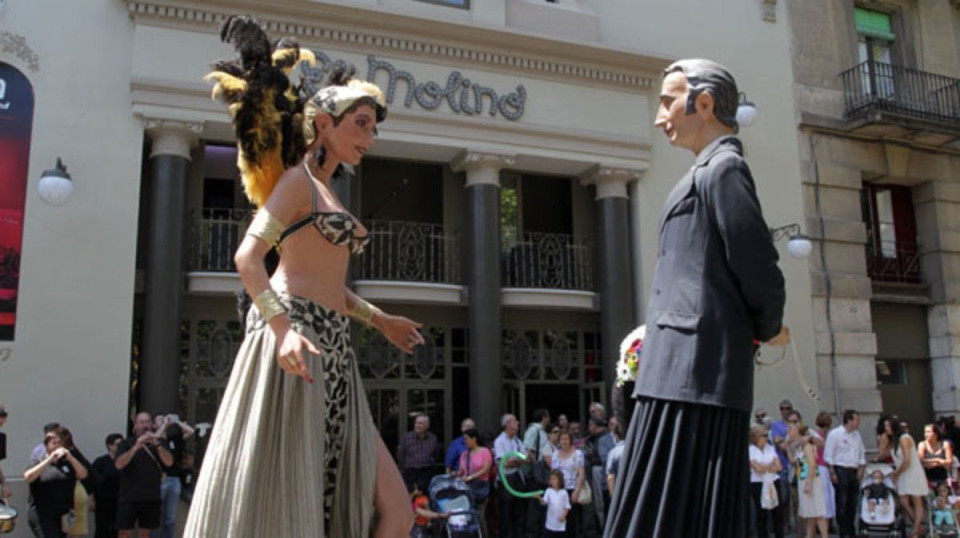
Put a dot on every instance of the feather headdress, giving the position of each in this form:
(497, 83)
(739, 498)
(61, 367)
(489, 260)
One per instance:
(267, 113)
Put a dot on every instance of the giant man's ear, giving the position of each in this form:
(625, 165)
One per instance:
(704, 105)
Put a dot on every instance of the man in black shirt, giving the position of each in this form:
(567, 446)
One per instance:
(105, 496)
(174, 432)
(140, 459)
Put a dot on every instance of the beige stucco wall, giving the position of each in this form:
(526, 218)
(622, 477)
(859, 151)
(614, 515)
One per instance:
(70, 360)
(758, 54)
(71, 357)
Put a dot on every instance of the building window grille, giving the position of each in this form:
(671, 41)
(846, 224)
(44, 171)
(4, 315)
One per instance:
(891, 372)
(888, 214)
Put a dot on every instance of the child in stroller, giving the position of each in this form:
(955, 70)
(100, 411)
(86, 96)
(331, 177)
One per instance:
(942, 519)
(877, 494)
(453, 498)
(879, 506)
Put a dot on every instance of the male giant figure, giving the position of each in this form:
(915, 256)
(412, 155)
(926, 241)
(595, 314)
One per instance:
(716, 290)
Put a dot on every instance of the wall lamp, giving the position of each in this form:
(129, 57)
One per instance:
(799, 245)
(746, 111)
(55, 185)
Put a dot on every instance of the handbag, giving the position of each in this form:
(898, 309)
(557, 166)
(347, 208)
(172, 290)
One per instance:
(769, 499)
(67, 520)
(541, 472)
(586, 494)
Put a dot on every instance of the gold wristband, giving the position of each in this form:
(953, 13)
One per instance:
(269, 305)
(266, 227)
(363, 311)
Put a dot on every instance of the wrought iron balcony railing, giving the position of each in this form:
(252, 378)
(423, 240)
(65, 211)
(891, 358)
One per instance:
(544, 260)
(891, 262)
(410, 251)
(877, 86)
(214, 236)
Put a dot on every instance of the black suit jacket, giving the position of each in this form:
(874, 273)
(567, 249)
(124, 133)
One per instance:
(716, 288)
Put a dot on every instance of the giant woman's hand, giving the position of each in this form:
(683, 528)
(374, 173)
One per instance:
(399, 330)
(292, 350)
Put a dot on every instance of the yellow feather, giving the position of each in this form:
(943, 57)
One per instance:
(307, 55)
(225, 83)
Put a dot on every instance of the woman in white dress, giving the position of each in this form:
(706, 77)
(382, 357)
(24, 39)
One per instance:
(811, 504)
(909, 476)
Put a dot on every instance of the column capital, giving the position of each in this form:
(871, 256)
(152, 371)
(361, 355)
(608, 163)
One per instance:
(482, 167)
(172, 137)
(611, 181)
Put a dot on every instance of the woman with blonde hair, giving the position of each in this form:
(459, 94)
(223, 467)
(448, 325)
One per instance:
(294, 451)
(810, 502)
(764, 463)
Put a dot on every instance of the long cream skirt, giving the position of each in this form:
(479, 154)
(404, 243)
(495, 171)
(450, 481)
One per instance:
(288, 458)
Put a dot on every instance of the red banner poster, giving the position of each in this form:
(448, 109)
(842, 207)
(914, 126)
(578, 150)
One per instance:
(16, 121)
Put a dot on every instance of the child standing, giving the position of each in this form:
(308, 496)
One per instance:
(558, 506)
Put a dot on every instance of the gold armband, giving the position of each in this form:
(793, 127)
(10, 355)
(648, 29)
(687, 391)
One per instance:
(363, 311)
(269, 305)
(266, 227)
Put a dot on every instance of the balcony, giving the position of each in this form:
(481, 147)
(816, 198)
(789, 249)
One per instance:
(914, 102)
(214, 236)
(904, 268)
(548, 270)
(412, 262)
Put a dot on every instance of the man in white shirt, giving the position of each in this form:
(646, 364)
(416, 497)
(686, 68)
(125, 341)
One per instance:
(512, 509)
(846, 458)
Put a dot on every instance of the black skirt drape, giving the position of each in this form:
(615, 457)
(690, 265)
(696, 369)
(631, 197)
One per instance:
(684, 473)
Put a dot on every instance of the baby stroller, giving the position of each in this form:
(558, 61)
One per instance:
(452, 496)
(947, 527)
(885, 519)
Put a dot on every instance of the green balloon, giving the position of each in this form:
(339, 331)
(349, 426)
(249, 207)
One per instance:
(506, 484)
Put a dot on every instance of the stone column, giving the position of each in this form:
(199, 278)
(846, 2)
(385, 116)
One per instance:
(935, 203)
(159, 376)
(617, 317)
(483, 281)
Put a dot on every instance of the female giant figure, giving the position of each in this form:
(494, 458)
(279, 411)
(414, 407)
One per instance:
(294, 451)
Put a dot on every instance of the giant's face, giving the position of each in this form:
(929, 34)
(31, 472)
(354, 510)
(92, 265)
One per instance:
(680, 128)
(353, 136)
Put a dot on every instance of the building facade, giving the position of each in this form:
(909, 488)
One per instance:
(513, 196)
(877, 85)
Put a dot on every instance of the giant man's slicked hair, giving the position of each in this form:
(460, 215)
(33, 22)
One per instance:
(707, 75)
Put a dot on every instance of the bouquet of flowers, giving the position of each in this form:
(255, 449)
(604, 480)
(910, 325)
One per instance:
(630, 349)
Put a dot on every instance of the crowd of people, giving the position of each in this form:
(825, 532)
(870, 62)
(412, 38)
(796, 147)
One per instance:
(818, 473)
(569, 476)
(137, 484)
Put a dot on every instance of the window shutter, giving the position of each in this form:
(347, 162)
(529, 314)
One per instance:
(874, 24)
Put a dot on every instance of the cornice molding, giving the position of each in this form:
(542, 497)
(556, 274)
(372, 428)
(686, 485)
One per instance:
(171, 137)
(482, 167)
(611, 182)
(490, 48)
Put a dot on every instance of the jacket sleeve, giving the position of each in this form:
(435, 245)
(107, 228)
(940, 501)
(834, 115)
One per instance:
(732, 199)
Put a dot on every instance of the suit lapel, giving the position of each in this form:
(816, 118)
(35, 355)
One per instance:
(678, 193)
(685, 185)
